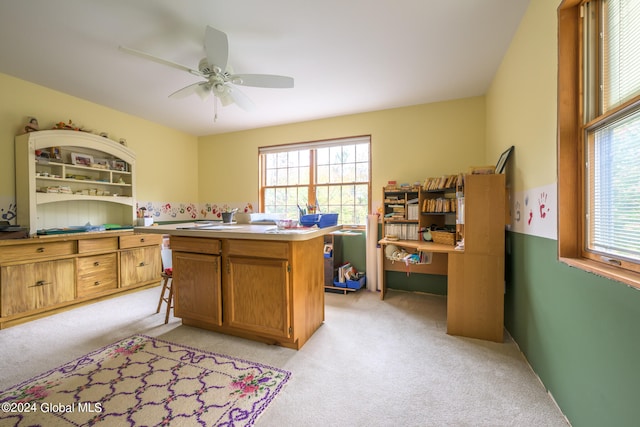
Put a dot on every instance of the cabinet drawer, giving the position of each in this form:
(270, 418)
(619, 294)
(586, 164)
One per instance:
(260, 249)
(97, 274)
(139, 240)
(199, 245)
(37, 251)
(28, 287)
(97, 245)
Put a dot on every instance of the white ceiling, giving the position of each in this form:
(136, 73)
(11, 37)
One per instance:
(347, 56)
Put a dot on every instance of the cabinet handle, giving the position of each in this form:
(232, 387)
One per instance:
(40, 250)
(142, 240)
(39, 283)
(142, 264)
(96, 283)
(96, 264)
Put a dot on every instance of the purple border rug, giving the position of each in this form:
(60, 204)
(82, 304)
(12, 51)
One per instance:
(145, 381)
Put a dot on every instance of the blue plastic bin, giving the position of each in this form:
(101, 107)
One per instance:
(328, 219)
(351, 284)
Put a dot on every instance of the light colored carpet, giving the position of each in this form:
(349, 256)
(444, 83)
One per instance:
(372, 363)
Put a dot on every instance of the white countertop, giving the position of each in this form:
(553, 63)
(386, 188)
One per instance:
(219, 230)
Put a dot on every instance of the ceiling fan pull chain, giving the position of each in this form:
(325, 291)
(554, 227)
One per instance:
(215, 109)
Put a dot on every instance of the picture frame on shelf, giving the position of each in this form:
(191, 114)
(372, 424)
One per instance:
(119, 165)
(502, 161)
(81, 159)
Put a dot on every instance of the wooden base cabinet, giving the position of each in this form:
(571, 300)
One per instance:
(269, 291)
(42, 276)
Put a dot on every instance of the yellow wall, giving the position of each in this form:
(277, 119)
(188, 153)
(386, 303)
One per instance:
(521, 102)
(408, 144)
(165, 157)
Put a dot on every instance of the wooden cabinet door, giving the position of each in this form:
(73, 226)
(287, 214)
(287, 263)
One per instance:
(257, 295)
(196, 287)
(140, 266)
(33, 286)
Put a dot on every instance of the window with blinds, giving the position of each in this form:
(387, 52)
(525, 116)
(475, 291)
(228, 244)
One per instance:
(612, 132)
(332, 175)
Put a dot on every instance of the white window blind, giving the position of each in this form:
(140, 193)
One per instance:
(621, 52)
(615, 189)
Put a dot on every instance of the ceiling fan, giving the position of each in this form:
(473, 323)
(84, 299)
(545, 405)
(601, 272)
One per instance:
(219, 79)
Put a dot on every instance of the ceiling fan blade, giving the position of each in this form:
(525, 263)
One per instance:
(262, 80)
(240, 99)
(216, 45)
(160, 60)
(201, 89)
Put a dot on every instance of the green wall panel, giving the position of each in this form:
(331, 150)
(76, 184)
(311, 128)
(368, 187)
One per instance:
(579, 331)
(416, 282)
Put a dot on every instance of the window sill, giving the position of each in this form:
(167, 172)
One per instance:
(624, 276)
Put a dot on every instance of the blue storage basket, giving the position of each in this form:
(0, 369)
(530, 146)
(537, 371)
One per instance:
(309, 220)
(328, 219)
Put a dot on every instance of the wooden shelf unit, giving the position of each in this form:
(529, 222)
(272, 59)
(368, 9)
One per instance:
(475, 300)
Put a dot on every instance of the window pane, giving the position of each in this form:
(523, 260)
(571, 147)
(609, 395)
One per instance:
(269, 197)
(614, 190)
(335, 173)
(349, 172)
(322, 156)
(362, 153)
(362, 172)
(292, 176)
(271, 177)
(621, 56)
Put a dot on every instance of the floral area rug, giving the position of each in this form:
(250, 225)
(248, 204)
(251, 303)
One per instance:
(143, 381)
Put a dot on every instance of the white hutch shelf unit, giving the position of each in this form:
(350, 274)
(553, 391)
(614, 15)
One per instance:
(70, 178)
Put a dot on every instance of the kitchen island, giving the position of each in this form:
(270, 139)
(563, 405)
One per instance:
(252, 281)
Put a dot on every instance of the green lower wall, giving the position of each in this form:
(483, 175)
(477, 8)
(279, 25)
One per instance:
(429, 283)
(580, 333)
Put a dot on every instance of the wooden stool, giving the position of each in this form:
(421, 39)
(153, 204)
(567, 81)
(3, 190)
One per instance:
(167, 285)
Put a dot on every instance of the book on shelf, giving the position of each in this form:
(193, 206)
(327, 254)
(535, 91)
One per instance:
(403, 231)
(440, 183)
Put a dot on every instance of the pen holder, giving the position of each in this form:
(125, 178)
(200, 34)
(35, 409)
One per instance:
(145, 222)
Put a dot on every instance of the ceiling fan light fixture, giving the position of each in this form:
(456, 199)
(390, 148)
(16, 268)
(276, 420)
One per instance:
(218, 76)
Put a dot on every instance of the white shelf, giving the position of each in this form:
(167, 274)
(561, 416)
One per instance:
(37, 209)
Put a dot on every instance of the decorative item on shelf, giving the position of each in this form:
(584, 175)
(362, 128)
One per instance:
(32, 125)
(67, 126)
(119, 165)
(81, 159)
(123, 142)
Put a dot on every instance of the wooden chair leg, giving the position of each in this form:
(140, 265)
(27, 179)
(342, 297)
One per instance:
(164, 288)
(169, 304)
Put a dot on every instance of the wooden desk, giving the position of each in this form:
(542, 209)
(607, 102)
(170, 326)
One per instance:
(475, 282)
